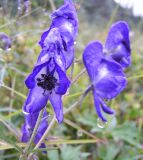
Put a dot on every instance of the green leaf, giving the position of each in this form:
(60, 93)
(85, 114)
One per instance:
(127, 132)
(108, 151)
(70, 153)
(53, 155)
(128, 153)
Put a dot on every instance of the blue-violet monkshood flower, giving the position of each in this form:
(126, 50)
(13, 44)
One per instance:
(106, 71)
(28, 127)
(48, 81)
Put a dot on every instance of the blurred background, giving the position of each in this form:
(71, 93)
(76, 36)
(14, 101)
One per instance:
(119, 139)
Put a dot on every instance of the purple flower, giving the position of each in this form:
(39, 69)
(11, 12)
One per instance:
(62, 33)
(24, 6)
(118, 43)
(105, 72)
(48, 81)
(27, 6)
(28, 127)
(5, 42)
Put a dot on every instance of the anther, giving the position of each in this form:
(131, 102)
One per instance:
(47, 82)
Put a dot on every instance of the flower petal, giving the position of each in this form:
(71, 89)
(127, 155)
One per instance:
(118, 43)
(67, 11)
(105, 108)
(110, 79)
(63, 32)
(91, 57)
(30, 80)
(25, 133)
(63, 82)
(68, 28)
(28, 127)
(35, 100)
(56, 102)
(69, 56)
(43, 37)
(98, 106)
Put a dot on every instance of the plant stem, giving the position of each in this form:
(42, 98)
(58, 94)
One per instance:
(52, 5)
(14, 91)
(33, 134)
(67, 121)
(79, 75)
(135, 77)
(46, 132)
(44, 135)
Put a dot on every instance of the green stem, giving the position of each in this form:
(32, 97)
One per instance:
(14, 91)
(46, 132)
(135, 77)
(79, 128)
(79, 75)
(52, 5)
(80, 141)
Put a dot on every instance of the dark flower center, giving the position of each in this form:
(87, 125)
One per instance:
(47, 82)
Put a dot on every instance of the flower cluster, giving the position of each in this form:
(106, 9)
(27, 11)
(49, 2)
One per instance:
(105, 66)
(48, 80)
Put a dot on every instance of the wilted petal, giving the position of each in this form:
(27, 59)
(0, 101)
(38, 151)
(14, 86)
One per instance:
(56, 102)
(91, 57)
(118, 43)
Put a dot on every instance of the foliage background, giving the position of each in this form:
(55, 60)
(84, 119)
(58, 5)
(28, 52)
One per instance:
(122, 136)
